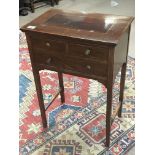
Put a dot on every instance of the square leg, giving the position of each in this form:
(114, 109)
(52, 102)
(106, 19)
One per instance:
(60, 76)
(122, 84)
(108, 113)
(52, 2)
(56, 2)
(40, 96)
(32, 6)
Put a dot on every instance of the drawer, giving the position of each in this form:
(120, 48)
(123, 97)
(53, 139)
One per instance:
(65, 63)
(91, 52)
(88, 67)
(49, 45)
(41, 58)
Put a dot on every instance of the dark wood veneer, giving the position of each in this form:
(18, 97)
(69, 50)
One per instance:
(89, 45)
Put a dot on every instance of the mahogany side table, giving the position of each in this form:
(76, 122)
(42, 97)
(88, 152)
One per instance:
(90, 45)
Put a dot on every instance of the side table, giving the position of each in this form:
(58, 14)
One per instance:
(91, 45)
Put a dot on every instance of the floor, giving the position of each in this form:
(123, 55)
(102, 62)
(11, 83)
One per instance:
(119, 7)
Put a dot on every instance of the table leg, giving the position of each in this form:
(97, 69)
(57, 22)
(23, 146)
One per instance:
(60, 76)
(56, 2)
(108, 112)
(32, 5)
(40, 96)
(52, 2)
(122, 84)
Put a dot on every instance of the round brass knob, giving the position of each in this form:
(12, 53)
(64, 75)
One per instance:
(88, 67)
(87, 52)
(48, 44)
(49, 60)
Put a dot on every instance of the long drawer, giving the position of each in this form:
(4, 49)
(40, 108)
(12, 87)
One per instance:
(88, 67)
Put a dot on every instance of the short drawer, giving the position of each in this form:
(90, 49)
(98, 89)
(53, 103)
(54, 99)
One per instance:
(41, 58)
(89, 52)
(87, 67)
(49, 45)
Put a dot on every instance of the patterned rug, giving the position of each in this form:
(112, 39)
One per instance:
(78, 126)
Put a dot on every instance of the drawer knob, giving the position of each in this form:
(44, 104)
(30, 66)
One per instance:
(87, 52)
(48, 44)
(88, 67)
(49, 60)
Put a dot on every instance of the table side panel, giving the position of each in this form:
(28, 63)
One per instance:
(121, 51)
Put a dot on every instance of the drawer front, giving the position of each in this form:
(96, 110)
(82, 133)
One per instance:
(88, 67)
(49, 45)
(41, 58)
(89, 52)
(64, 63)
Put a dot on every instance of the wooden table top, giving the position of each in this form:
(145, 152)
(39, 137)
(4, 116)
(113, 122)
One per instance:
(88, 26)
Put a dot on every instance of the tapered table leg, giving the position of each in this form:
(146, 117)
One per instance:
(40, 96)
(32, 5)
(60, 76)
(52, 2)
(122, 84)
(108, 112)
(56, 2)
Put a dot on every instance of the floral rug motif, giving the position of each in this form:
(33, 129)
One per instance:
(78, 126)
